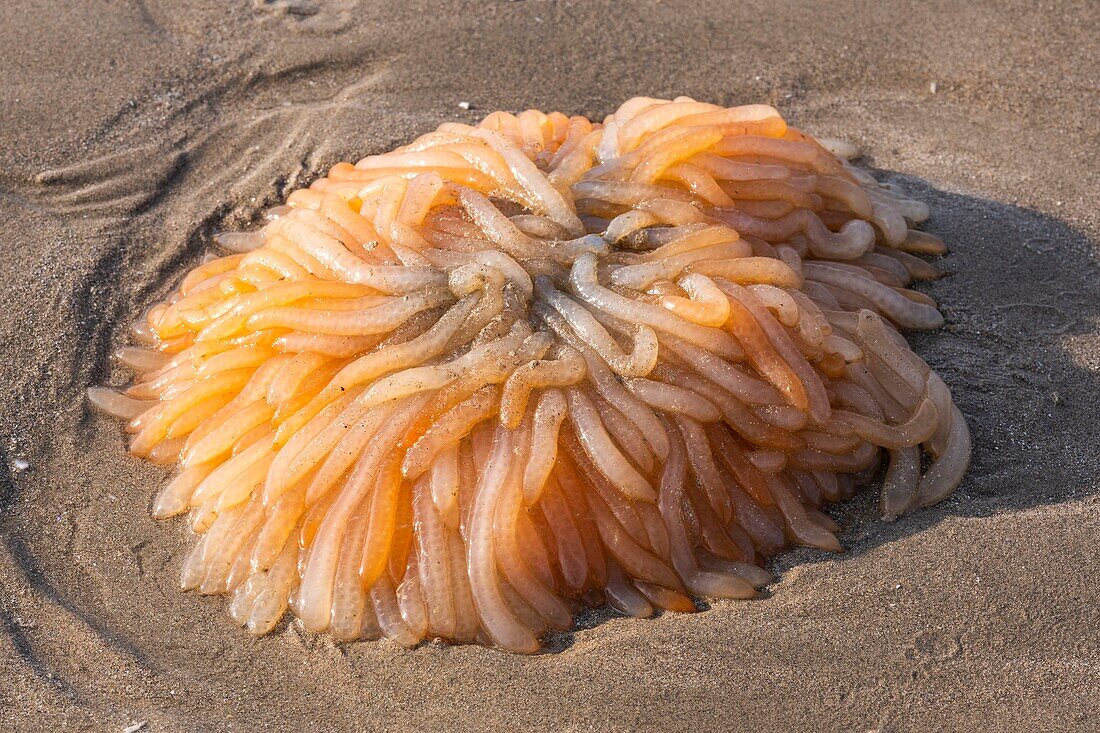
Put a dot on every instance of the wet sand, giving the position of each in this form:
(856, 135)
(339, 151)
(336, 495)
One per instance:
(131, 131)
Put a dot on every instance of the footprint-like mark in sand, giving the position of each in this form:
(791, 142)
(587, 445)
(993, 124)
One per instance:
(310, 16)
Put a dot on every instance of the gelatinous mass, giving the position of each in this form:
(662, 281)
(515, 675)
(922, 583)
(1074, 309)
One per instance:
(464, 388)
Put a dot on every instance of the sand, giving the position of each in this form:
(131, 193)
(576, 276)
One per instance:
(130, 131)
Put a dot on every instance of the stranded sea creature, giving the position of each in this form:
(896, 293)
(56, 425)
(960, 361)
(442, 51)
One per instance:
(464, 388)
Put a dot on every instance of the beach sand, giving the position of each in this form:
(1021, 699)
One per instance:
(129, 132)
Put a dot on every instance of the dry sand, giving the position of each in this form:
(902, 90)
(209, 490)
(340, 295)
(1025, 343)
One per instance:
(130, 131)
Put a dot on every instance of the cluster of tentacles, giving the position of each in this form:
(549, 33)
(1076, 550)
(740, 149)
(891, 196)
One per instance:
(461, 389)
